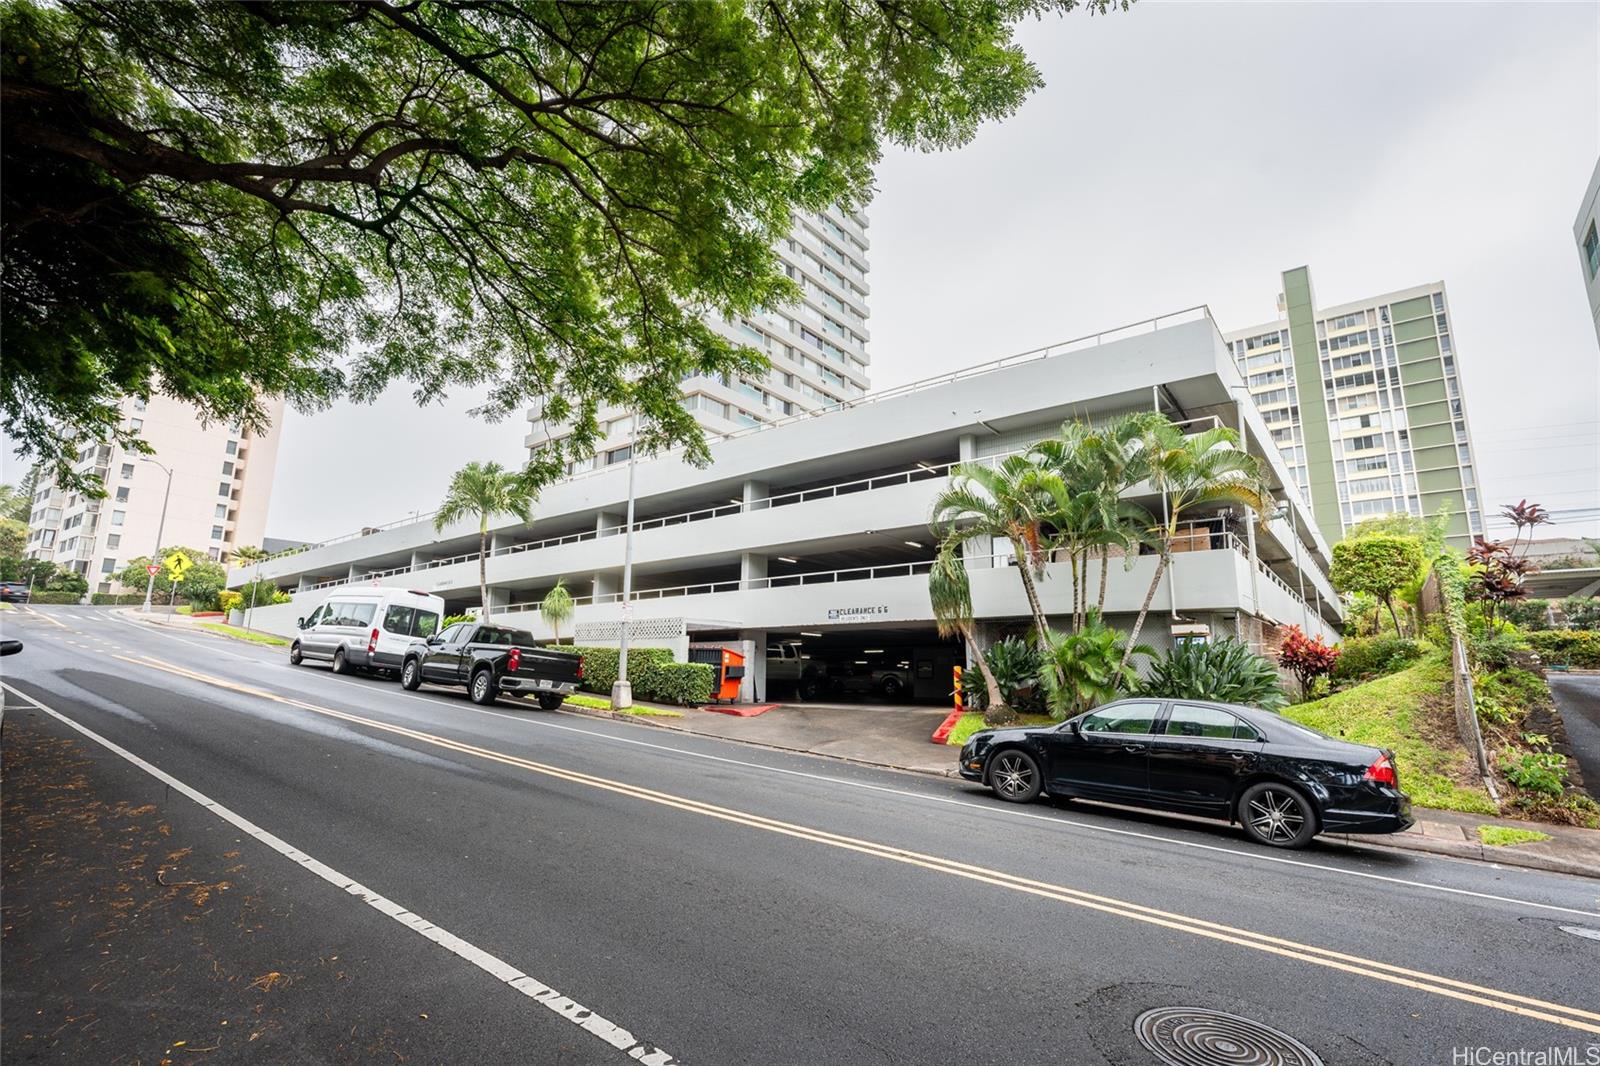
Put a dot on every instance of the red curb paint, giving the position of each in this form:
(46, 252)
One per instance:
(942, 734)
(740, 710)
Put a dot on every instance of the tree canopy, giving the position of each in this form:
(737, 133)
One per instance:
(538, 201)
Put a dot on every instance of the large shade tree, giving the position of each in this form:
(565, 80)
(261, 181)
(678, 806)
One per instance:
(485, 491)
(538, 201)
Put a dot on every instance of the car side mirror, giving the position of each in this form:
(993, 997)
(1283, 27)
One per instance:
(433, 641)
(10, 647)
(299, 623)
(1072, 727)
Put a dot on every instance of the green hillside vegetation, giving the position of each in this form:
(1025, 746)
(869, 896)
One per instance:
(1410, 713)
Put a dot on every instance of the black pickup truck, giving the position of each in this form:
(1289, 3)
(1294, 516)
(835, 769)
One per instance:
(489, 660)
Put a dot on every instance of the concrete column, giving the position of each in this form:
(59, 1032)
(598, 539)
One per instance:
(304, 583)
(609, 520)
(499, 599)
(752, 567)
(356, 573)
(978, 550)
(754, 687)
(606, 584)
(755, 491)
(500, 540)
(418, 559)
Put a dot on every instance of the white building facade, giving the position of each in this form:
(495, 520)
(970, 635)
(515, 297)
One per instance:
(815, 533)
(1586, 232)
(221, 484)
(817, 348)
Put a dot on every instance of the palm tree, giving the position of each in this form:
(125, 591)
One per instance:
(556, 607)
(244, 555)
(1118, 459)
(485, 490)
(1191, 471)
(951, 594)
(1001, 502)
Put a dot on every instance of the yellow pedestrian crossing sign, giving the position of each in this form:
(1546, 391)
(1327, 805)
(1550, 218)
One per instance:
(177, 565)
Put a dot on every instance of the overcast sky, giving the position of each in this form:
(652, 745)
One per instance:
(1182, 155)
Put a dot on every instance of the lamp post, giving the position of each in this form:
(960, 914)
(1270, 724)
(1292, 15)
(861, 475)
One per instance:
(161, 527)
(621, 690)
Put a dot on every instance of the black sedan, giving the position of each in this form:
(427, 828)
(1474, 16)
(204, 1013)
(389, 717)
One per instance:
(1283, 782)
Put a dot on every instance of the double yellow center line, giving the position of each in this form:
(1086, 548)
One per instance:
(1510, 1002)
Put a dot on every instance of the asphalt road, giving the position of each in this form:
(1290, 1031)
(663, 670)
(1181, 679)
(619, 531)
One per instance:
(536, 887)
(1577, 696)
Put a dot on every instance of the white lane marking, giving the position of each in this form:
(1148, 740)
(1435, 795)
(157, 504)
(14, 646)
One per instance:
(36, 613)
(994, 810)
(501, 970)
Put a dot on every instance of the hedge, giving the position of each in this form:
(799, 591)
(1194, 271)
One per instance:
(58, 597)
(116, 598)
(1364, 657)
(1569, 647)
(652, 672)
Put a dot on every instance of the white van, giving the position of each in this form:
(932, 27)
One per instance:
(366, 628)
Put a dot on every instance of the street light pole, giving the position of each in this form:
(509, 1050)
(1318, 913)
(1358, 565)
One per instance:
(621, 690)
(161, 528)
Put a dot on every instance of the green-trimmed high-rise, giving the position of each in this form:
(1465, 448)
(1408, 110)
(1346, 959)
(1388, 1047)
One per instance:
(1364, 401)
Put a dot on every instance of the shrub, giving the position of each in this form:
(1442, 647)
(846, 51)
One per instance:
(452, 619)
(227, 600)
(116, 598)
(1527, 614)
(1015, 665)
(687, 684)
(1226, 671)
(1537, 771)
(1582, 612)
(1086, 668)
(57, 597)
(1366, 657)
(1570, 647)
(1494, 649)
(1307, 658)
(266, 593)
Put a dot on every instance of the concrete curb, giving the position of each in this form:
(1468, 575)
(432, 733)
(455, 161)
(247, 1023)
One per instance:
(1493, 856)
(143, 619)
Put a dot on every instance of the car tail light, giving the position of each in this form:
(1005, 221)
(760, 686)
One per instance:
(514, 660)
(580, 668)
(1382, 772)
(372, 642)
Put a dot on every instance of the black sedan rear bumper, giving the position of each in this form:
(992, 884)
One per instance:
(1389, 812)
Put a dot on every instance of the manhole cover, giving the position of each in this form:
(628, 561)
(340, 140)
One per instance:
(1193, 1036)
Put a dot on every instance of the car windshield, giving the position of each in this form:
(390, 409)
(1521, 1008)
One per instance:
(496, 635)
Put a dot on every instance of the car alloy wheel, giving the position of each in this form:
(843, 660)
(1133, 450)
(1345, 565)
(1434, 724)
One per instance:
(1275, 815)
(480, 687)
(408, 675)
(1014, 776)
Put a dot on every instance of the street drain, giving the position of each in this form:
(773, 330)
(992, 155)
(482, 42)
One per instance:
(1194, 1036)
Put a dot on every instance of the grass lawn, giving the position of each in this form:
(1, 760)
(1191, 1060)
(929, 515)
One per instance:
(600, 703)
(1500, 836)
(972, 721)
(243, 634)
(1410, 713)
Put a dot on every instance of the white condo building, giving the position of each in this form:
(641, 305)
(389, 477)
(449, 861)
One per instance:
(221, 484)
(1586, 232)
(817, 348)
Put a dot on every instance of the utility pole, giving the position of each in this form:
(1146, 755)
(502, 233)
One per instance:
(155, 557)
(621, 690)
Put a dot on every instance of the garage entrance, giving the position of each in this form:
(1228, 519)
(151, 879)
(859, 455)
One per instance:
(910, 664)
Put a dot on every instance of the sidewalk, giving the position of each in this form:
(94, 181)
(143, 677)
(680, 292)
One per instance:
(897, 738)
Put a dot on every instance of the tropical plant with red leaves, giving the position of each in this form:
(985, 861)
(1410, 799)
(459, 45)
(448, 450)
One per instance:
(1308, 658)
(1499, 565)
